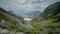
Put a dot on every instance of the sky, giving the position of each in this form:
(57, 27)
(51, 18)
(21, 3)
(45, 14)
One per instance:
(25, 6)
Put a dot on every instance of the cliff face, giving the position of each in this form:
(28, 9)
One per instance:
(48, 21)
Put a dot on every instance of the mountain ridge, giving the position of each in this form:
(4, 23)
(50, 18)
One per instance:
(48, 21)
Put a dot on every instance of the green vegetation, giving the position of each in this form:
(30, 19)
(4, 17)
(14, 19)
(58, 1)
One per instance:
(48, 19)
(3, 18)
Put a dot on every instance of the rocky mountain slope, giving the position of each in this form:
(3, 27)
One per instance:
(11, 22)
(48, 21)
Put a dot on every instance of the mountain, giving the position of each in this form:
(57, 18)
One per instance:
(52, 9)
(10, 22)
(48, 21)
(14, 24)
(11, 12)
(33, 14)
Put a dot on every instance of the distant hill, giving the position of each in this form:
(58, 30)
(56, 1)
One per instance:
(11, 12)
(2, 11)
(33, 14)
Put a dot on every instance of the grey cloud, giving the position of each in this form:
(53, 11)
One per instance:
(27, 4)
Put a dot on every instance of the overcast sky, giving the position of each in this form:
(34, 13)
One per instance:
(24, 6)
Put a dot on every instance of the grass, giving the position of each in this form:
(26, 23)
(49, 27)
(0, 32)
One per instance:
(4, 18)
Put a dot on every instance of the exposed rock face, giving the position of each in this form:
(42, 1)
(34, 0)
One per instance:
(5, 24)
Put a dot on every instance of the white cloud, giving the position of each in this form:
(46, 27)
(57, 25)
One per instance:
(20, 1)
(28, 5)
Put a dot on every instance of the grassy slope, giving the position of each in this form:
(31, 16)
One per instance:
(46, 20)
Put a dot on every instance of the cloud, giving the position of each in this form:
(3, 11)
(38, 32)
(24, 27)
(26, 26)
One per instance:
(26, 4)
(21, 6)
